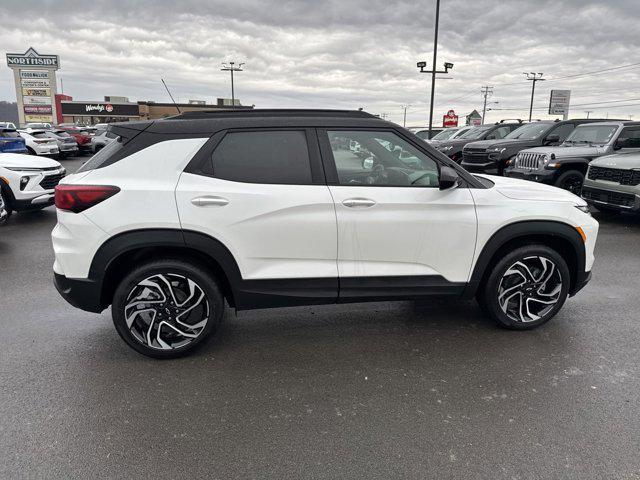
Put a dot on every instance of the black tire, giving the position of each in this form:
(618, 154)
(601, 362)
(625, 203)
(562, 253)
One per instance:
(7, 204)
(170, 269)
(496, 281)
(571, 180)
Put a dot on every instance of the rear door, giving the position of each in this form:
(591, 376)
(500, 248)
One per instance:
(262, 194)
(398, 233)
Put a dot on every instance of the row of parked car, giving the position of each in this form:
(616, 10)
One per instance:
(28, 171)
(60, 141)
(596, 158)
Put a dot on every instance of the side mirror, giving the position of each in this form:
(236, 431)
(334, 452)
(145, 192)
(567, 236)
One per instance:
(367, 163)
(448, 178)
(552, 139)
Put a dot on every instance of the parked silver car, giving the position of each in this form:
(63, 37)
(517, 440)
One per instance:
(613, 183)
(101, 139)
(66, 143)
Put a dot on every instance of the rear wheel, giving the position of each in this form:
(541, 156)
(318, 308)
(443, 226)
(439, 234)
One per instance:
(166, 308)
(571, 180)
(526, 288)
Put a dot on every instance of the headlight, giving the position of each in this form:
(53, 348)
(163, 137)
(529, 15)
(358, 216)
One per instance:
(496, 150)
(23, 182)
(446, 149)
(545, 159)
(584, 208)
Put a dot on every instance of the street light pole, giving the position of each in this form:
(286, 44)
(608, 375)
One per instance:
(404, 117)
(534, 77)
(486, 91)
(422, 65)
(232, 68)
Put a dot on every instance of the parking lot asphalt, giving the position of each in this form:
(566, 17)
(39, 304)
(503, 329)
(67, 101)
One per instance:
(378, 390)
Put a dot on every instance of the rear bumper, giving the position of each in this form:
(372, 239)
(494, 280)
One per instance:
(81, 293)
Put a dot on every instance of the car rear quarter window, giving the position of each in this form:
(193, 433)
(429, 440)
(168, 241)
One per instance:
(276, 157)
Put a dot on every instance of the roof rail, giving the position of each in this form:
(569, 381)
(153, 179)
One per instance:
(257, 112)
(519, 120)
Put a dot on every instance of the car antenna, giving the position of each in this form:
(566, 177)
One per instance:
(174, 102)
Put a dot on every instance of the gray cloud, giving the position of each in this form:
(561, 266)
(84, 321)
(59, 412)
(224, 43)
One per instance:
(342, 54)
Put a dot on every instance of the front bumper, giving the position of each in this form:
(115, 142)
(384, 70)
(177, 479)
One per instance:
(490, 168)
(81, 293)
(621, 198)
(581, 282)
(541, 176)
(44, 200)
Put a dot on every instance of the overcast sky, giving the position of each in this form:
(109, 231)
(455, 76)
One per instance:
(339, 53)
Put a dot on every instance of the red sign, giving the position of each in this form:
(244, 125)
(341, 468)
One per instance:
(450, 119)
(37, 109)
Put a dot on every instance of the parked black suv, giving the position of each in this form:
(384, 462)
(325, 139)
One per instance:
(493, 156)
(453, 148)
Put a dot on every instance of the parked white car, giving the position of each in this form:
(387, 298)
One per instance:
(39, 143)
(9, 125)
(66, 143)
(28, 182)
(271, 208)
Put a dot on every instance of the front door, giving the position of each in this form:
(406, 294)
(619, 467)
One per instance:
(398, 233)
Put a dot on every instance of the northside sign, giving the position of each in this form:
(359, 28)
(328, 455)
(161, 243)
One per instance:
(31, 58)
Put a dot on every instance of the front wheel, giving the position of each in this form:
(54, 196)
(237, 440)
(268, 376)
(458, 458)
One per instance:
(571, 180)
(526, 288)
(166, 308)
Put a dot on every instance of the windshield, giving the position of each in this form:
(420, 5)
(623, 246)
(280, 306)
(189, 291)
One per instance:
(9, 134)
(39, 135)
(61, 133)
(592, 134)
(446, 134)
(530, 131)
(476, 132)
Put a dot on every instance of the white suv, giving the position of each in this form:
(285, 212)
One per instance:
(39, 143)
(26, 182)
(276, 208)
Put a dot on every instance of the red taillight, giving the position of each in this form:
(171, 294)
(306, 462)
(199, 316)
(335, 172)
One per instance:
(77, 198)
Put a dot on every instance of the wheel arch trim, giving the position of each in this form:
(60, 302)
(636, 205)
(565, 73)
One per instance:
(117, 246)
(522, 230)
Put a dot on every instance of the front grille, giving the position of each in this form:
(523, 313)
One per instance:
(617, 175)
(605, 196)
(529, 161)
(50, 181)
(475, 155)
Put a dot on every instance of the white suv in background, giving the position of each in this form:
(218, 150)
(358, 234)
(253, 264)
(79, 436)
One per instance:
(39, 142)
(269, 208)
(27, 182)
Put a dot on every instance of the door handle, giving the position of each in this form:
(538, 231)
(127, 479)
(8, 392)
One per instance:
(209, 201)
(358, 202)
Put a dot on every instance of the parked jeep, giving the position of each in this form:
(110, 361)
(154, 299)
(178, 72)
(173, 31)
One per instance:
(565, 166)
(493, 156)
(613, 183)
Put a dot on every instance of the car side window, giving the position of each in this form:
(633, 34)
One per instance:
(630, 136)
(276, 157)
(563, 131)
(498, 133)
(380, 158)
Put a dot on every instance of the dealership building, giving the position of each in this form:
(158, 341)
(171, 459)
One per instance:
(120, 109)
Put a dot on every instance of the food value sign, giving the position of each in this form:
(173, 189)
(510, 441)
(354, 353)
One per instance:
(559, 102)
(35, 82)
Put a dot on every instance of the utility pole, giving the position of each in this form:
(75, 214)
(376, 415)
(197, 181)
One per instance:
(422, 65)
(534, 77)
(232, 68)
(404, 117)
(486, 92)
(588, 112)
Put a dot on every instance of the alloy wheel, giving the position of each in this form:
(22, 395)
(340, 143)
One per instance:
(166, 311)
(529, 289)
